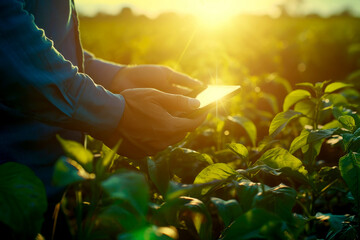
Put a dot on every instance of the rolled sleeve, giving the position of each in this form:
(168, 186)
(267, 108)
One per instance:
(38, 82)
(98, 107)
(101, 71)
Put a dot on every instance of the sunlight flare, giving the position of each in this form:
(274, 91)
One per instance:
(213, 13)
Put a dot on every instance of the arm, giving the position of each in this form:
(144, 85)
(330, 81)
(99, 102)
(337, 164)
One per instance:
(117, 78)
(101, 71)
(38, 82)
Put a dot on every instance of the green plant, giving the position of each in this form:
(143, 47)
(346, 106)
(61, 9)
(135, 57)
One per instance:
(22, 202)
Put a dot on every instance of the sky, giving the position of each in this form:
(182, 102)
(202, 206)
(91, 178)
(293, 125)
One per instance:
(220, 8)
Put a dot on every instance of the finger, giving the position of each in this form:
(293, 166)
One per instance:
(177, 102)
(177, 90)
(187, 124)
(183, 80)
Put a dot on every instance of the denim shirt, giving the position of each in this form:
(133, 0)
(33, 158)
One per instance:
(44, 86)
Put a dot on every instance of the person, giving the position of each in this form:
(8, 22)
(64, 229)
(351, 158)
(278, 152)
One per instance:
(50, 85)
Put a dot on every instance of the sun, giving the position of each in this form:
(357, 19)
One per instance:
(214, 13)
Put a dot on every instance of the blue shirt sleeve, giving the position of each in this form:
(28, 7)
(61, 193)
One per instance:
(39, 83)
(101, 71)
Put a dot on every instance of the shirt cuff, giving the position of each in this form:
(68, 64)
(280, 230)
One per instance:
(100, 110)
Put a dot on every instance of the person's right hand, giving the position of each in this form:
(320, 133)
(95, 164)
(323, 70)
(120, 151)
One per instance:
(148, 124)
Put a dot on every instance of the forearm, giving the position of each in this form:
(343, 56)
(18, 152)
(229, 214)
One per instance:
(101, 71)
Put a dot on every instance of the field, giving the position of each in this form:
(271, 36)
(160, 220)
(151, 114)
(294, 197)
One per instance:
(279, 161)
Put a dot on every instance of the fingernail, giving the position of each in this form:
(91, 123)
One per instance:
(193, 103)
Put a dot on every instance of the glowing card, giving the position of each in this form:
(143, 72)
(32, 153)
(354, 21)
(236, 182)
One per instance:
(214, 93)
(210, 95)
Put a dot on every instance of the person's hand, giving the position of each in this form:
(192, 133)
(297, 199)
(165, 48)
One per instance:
(148, 126)
(153, 76)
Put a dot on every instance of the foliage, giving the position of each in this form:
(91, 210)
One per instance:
(281, 161)
(235, 188)
(22, 201)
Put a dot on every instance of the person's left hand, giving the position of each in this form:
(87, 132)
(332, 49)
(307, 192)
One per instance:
(153, 76)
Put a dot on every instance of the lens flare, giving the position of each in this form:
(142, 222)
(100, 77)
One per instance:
(213, 13)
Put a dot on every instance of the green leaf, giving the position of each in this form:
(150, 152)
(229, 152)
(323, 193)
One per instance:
(77, 152)
(176, 189)
(228, 210)
(307, 108)
(248, 126)
(349, 166)
(294, 97)
(225, 155)
(68, 171)
(149, 232)
(200, 218)
(299, 141)
(105, 163)
(130, 187)
(339, 226)
(307, 85)
(342, 111)
(109, 158)
(332, 87)
(357, 132)
(353, 145)
(329, 174)
(294, 175)
(347, 140)
(93, 144)
(190, 211)
(336, 99)
(347, 121)
(333, 124)
(266, 143)
(280, 158)
(279, 200)
(239, 149)
(186, 163)
(188, 155)
(281, 120)
(119, 216)
(217, 171)
(318, 135)
(255, 223)
(256, 169)
(159, 173)
(22, 199)
(336, 221)
(320, 85)
(326, 178)
(347, 231)
(311, 151)
(245, 192)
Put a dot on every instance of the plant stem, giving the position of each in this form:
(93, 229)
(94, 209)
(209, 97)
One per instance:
(95, 197)
(79, 211)
(306, 211)
(316, 114)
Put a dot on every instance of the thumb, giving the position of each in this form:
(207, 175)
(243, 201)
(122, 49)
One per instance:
(177, 102)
